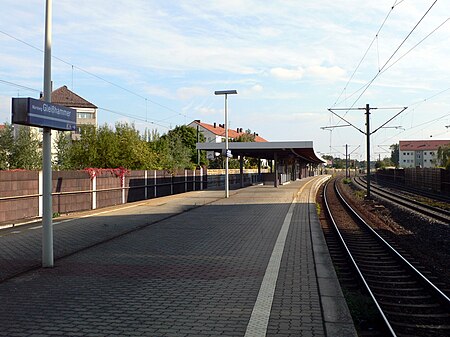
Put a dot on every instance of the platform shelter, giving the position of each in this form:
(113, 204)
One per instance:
(289, 160)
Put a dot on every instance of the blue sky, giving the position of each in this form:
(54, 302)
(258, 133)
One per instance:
(161, 61)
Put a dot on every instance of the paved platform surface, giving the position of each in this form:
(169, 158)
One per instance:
(255, 264)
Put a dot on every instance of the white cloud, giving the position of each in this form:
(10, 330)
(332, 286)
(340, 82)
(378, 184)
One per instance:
(207, 111)
(154, 90)
(334, 73)
(257, 88)
(287, 74)
(186, 93)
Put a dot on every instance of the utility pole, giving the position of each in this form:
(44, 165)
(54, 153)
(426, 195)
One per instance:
(346, 160)
(367, 133)
(368, 149)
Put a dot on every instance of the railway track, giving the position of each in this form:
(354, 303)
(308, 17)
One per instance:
(408, 303)
(434, 213)
(413, 191)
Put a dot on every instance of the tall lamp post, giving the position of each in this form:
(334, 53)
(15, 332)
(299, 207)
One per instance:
(47, 223)
(226, 93)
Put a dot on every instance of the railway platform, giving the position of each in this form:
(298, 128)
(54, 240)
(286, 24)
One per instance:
(196, 264)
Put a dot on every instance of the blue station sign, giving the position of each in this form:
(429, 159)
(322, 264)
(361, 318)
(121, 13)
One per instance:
(34, 112)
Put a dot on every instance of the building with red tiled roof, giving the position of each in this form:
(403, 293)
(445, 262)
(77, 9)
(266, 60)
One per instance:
(215, 133)
(419, 153)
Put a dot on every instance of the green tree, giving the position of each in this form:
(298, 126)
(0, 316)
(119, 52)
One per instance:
(133, 151)
(171, 154)
(83, 152)
(443, 156)
(107, 148)
(189, 137)
(26, 152)
(383, 163)
(6, 143)
(245, 137)
(395, 154)
(62, 145)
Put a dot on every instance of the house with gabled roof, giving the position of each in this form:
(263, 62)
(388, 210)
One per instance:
(419, 153)
(86, 111)
(215, 133)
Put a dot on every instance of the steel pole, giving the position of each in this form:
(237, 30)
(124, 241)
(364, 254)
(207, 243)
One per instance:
(346, 161)
(227, 187)
(47, 230)
(368, 148)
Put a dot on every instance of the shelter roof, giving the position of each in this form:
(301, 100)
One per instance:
(267, 150)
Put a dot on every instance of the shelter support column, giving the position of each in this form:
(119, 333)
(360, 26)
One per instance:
(241, 170)
(275, 170)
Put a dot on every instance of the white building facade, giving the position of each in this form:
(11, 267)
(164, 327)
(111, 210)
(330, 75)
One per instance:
(419, 153)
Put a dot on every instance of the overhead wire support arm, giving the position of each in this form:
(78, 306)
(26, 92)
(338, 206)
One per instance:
(346, 121)
(403, 109)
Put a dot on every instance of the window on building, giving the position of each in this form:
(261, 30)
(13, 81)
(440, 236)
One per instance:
(85, 115)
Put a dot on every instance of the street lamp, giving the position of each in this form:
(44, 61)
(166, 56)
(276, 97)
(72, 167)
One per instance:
(226, 93)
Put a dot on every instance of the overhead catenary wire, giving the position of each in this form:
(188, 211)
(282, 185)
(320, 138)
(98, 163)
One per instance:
(154, 122)
(367, 51)
(418, 43)
(134, 117)
(418, 103)
(92, 74)
(380, 71)
(19, 86)
(416, 126)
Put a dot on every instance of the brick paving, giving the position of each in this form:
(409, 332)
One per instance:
(196, 273)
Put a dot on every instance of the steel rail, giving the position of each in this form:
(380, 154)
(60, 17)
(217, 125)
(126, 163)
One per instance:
(430, 211)
(443, 298)
(393, 250)
(349, 254)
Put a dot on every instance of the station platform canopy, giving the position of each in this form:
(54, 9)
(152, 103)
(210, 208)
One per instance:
(302, 150)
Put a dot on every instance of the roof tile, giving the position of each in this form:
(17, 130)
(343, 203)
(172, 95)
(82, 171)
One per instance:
(220, 131)
(66, 97)
(418, 145)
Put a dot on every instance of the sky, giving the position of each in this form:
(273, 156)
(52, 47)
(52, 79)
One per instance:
(157, 64)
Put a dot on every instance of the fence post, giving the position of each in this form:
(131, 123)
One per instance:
(40, 192)
(94, 192)
(201, 178)
(122, 181)
(154, 184)
(145, 184)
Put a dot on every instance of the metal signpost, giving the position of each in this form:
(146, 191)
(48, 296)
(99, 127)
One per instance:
(32, 112)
